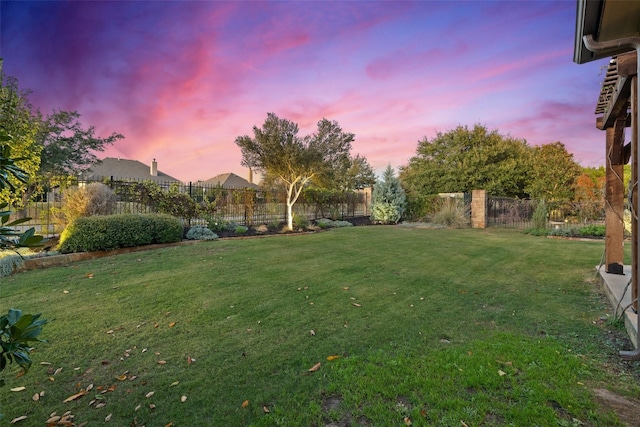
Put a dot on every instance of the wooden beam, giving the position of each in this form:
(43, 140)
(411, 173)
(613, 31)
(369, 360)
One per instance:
(628, 64)
(614, 199)
(634, 179)
(618, 104)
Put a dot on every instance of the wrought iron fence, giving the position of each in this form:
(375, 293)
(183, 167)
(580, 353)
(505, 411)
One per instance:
(243, 206)
(518, 213)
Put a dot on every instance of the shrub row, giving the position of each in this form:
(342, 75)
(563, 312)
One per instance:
(106, 232)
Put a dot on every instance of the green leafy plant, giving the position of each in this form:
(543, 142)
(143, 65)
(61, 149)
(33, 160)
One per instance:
(101, 233)
(241, 229)
(540, 215)
(300, 222)
(593, 230)
(198, 232)
(17, 330)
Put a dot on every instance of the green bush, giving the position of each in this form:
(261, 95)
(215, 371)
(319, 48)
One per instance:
(328, 223)
(241, 229)
(592, 230)
(199, 232)
(101, 233)
(300, 221)
(9, 263)
(539, 217)
(218, 225)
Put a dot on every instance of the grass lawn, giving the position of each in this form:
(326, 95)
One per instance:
(430, 326)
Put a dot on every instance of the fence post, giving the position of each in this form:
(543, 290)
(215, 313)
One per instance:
(479, 209)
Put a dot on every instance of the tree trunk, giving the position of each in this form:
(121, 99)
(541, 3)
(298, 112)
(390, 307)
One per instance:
(290, 215)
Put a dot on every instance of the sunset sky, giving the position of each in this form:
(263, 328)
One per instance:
(182, 79)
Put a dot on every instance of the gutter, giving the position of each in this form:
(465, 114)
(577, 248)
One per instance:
(613, 47)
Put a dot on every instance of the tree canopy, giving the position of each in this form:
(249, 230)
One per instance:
(49, 149)
(277, 150)
(21, 125)
(464, 159)
(553, 173)
(68, 149)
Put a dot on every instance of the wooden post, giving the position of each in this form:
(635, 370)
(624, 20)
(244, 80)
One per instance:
(614, 199)
(634, 180)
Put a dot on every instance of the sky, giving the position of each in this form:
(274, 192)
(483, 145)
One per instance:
(181, 80)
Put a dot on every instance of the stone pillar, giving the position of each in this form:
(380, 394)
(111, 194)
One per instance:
(479, 209)
(614, 199)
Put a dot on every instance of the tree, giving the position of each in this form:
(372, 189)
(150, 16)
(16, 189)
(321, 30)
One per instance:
(68, 149)
(389, 200)
(17, 330)
(357, 173)
(277, 150)
(20, 126)
(553, 173)
(462, 160)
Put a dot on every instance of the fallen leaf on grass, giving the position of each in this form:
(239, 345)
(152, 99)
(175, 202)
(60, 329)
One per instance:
(265, 410)
(53, 419)
(501, 373)
(75, 396)
(330, 358)
(148, 395)
(346, 288)
(107, 418)
(175, 383)
(121, 377)
(245, 403)
(315, 367)
(407, 421)
(355, 304)
(21, 388)
(36, 397)
(172, 324)
(45, 363)
(183, 399)
(15, 420)
(152, 406)
(162, 362)
(312, 332)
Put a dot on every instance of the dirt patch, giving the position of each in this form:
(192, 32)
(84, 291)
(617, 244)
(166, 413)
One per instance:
(626, 409)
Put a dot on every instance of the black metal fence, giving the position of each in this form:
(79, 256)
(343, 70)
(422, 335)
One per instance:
(243, 206)
(518, 213)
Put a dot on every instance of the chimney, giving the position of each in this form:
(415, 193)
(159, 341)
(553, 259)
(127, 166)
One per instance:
(250, 176)
(154, 168)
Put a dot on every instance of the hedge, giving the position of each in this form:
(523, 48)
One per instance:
(107, 232)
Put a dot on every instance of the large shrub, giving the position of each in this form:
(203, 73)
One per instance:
(91, 199)
(453, 214)
(101, 232)
(389, 199)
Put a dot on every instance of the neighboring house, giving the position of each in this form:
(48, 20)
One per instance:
(229, 180)
(123, 169)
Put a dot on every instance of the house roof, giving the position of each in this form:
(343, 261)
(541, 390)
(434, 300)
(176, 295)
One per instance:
(230, 180)
(127, 169)
(605, 21)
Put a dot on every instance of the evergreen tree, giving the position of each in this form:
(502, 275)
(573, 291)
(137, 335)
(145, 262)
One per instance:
(389, 199)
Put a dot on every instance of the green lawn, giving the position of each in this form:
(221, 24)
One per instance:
(431, 326)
